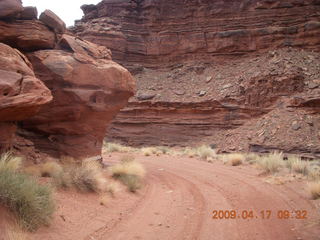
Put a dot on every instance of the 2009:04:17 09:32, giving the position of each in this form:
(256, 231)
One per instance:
(263, 214)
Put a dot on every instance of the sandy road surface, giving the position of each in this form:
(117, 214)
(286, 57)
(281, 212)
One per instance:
(177, 203)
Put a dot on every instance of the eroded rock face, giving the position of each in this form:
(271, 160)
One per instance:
(28, 35)
(10, 8)
(21, 93)
(75, 82)
(53, 21)
(259, 103)
(87, 91)
(159, 32)
(228, 73)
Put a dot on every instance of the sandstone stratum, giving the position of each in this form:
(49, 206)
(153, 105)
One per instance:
(239, 75)
(58, 92)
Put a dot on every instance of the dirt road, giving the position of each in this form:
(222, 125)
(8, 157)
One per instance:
(177, 203)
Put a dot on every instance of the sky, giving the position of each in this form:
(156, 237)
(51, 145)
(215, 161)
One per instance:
(67, 10)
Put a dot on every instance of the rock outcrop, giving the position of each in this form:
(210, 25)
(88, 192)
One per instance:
(88, 92)
(263, 103)
(10, 8)
(240, 75)
(155, 33)
(21, 93)
(59, 94)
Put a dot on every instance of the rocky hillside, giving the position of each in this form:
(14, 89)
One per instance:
(58, 93)
(240, 75)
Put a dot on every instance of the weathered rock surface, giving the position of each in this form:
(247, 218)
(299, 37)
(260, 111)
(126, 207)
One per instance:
(63, 93)
(29, 13)
(250, 104)
(87, 92)
(228, 73)
(21, 93)
(160, 32)
(10, 8)
(28, 35)
(53, 21)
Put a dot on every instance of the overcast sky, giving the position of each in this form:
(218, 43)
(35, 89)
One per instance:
(67, 10)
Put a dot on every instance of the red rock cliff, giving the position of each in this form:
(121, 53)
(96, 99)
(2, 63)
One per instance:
(160, 32)
(241, 75)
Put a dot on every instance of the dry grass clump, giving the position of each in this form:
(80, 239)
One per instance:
(235, 159)
(314, 173)
(295, 164)
(314, 189)
(115, 147)
(87, 177)
(112, 188)
(48, 169)
(30, 201)
(148, 151)
(9, 162)
(14, 232)
(129, 173)
(190, 152)
(252, 158)
(163, 149)
(204, 152)
(272, 162)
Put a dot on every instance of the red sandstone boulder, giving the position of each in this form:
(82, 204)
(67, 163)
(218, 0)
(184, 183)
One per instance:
(27, 35)
(29, 13)
(53, 21)
(21, 93)
(9, 8)
(88, 92)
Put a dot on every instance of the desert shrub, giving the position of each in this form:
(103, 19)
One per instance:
(163, 149)
(14, 232)
(295, 164)
(148, 151)
(115, 147)
(49, 169)
(87, 177)
(10, 162)
(204, 152)
(133, 182)
(190, 152)
(112, 188)
(272, 162)
(235, 159)
(30, 201)
(129, 173)
(314, 189)
(314, 173)
(252, 158)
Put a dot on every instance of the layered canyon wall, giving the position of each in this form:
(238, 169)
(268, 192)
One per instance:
(240, 75)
